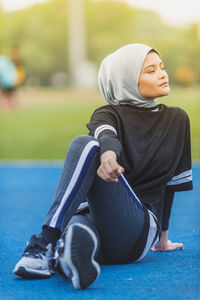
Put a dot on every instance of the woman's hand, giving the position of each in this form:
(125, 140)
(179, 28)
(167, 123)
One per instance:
(166, 245)
(169, 246)
(109, 170)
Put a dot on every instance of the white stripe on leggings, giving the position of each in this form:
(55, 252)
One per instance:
(151, 236)
(73, 180)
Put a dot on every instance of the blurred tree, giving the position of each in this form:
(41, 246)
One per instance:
(184, 75)
(110, 25)
(41, 32)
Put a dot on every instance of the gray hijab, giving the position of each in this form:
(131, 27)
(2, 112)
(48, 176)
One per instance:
(119, 75)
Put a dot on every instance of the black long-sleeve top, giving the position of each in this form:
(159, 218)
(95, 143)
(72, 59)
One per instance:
(153, 145)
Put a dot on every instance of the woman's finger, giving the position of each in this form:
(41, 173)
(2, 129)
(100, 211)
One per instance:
(109, 170)
(117, 169)
(103, 174)
(174, 246)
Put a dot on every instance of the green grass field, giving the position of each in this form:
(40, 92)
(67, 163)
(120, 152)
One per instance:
(47, 120)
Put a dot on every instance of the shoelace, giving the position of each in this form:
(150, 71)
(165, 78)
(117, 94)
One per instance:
(35, 250)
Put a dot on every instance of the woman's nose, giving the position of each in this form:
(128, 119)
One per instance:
(162, 74)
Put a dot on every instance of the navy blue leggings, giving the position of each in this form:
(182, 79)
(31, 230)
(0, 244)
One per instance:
(115, 213)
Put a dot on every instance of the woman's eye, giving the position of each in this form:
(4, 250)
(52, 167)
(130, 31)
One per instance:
(152, 71)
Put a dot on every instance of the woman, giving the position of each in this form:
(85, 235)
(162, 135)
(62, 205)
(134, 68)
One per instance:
(134, 146)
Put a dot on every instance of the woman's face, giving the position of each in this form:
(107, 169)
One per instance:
(153, 81)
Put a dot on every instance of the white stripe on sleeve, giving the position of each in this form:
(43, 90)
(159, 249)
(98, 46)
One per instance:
(103, 127)
(181, 178)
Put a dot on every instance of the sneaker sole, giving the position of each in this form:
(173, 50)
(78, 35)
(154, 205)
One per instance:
(85, 270)
(30, 273)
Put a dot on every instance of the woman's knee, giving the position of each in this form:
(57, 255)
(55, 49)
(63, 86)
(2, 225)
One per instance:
(83, 140)
(81, 143)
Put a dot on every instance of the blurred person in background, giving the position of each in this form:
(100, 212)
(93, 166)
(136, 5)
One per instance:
(114, 197)
(12, 75)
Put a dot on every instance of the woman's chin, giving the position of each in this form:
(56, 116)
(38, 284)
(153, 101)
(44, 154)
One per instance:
(165, 92)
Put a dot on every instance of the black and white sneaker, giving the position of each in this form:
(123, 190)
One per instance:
(36, 260)
(76, 256)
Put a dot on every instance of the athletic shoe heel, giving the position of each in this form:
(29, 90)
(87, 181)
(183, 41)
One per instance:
(78, 256)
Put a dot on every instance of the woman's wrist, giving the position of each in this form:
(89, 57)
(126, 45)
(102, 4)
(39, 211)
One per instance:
(109, 154)
(164, 236)
(163, 241)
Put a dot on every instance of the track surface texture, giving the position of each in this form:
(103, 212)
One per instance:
(26, 192)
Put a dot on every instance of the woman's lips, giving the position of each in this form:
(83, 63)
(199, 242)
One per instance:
(164, 83)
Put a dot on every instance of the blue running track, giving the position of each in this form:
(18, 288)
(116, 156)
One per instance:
(26, 192)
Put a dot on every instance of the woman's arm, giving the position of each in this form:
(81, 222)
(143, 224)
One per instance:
(164, 244)
(103, 126)
(168, 201)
